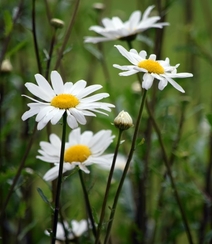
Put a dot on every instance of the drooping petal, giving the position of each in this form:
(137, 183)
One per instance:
(147, 81)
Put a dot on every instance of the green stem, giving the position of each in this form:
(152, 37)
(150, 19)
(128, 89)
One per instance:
(87, 203)
(169, 172)
(108, 187)
(67, 35)
(132, 149)
(50, 53)
(35, 38)
(59, 181)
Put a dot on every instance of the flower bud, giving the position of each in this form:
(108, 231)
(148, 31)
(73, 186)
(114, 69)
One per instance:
(57, 23)
(99, 6)
(6, 66)
(123, 121)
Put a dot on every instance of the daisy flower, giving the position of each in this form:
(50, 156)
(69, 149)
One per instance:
(152, 69)
(60, 98)
(115, 28)
(81, 150)
(76, 230)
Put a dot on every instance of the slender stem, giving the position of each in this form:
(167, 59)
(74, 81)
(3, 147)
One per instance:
(59, 181)
(50, 52)
(171, 161)
(21, 166)
(132, 149)
(87, 202)
(35, 38)
(67, 35)
(108, 187)
(169, 172)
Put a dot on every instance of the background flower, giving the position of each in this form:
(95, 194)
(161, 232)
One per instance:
(76, 229)
(70, 98)
(81, 150)
(152, 69)
(115, 28)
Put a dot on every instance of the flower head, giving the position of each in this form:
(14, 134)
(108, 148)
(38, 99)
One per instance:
(152, 69)
(81, 150)
(77, 229)
(60, 98)
(115, 28)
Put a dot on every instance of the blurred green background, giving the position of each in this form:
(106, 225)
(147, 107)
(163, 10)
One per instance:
(188, 41)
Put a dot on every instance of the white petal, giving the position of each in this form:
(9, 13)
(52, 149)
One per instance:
(162, 84)
(57, 116)
(72, 122)
(117, 22)
(30, 113)
(88, 90)
(86, 137)
(175, 85)
(130, 72)
(147, 81)
(44, 84)
(78, 116)
(95, 40)
(123, 67)
(84, 168)
(41, 124)
(126, 54)
(134, 19)
(52, 174)
(78, 86)
(147, 12)
(57, 82)
(38, 92)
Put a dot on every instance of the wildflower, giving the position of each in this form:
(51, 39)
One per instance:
(81, 150)
(115, 28)
(152, 68)
(76, 230)
(70, 98)
(119, 165)
(123, 121)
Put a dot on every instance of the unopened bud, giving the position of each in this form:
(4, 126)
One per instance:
(57, 23)
(99, 6)
(6, 66)
(123, 121)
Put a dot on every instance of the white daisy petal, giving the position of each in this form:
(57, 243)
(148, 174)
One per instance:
(147, 81)
(71, 120)
(52, 174)
(162, 84)
(57, 116)
(38, 92)
(126, 54)
(44, 84)
(57, 82)
(175, 85)
(78, 115)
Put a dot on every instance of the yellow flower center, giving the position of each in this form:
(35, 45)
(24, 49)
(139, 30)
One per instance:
(151, 66)
(64, 101)
(77, 153)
